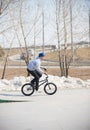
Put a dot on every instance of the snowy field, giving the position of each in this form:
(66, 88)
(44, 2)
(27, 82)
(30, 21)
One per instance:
(9, 89)
(61, 82)
(67, 109)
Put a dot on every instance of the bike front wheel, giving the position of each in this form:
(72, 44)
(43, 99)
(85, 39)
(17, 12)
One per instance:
(50, 88)
(27, 89)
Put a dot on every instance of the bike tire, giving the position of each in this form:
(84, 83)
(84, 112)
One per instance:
(50, 88)
(27, 89)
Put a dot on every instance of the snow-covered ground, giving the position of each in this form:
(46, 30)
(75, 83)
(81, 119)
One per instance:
(67, 109)
(61, 82)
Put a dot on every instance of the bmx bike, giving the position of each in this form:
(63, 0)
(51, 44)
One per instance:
(49, 87)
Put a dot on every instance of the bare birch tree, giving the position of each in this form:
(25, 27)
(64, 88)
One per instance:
(64, 58)
(58, 2)
(6, 59)
(4, 4)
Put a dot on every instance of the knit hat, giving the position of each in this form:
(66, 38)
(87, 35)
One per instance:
(42, 54)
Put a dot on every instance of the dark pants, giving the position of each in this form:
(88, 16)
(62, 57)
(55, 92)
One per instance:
(36, 74)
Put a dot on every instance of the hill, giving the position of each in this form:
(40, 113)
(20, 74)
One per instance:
(80, 53)
(81, 56)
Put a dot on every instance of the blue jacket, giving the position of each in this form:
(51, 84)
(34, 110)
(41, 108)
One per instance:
(35, 65)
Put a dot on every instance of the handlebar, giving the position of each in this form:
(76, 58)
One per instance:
(46, 75)
(43, 68)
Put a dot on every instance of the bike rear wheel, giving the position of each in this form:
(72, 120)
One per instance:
(27, 89)
(50, 88)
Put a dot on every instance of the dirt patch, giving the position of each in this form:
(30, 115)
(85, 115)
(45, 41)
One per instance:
(83, 73)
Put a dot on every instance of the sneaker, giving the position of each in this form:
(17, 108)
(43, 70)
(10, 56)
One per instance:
(36, 88)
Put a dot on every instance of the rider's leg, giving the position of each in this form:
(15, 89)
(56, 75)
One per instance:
(36, 74)
(37, 77)
(33, 74)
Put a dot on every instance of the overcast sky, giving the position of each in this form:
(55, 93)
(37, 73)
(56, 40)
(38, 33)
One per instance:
(32, 9)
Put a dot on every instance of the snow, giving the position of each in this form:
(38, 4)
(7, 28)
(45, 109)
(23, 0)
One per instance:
(16, 83)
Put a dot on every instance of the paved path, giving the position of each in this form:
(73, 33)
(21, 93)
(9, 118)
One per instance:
(66, 110)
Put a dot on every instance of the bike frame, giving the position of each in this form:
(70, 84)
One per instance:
(43, 81)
